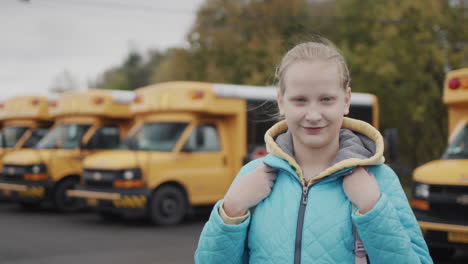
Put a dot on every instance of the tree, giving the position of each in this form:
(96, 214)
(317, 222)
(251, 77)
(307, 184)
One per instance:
(242, 41)
(400, 50)
(134, 72)
(63, 82)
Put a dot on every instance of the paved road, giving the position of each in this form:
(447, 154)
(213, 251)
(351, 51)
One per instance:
(51, 238)
(45, 237)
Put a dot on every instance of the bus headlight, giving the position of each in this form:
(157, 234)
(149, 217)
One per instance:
(421, 190)
(130, 178)
(128, 175)
(38, 168)
(37, 172)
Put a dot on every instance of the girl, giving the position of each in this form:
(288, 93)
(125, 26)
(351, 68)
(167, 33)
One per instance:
(322, 185)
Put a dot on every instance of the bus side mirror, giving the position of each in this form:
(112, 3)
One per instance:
(391, 143)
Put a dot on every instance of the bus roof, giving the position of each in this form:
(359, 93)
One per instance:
(26, 107)
(456, 87)
(94, 102)
(269, 93)
(200, 96)
(247, 92)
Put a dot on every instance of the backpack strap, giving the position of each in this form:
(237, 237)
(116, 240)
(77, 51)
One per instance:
(360, 255)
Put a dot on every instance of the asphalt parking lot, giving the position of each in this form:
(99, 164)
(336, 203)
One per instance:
(46, 237)
(33, 237)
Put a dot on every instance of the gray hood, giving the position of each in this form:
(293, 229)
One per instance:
(352, 145)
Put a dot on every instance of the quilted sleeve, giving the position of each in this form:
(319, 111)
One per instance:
(390, 231)
(224, 243)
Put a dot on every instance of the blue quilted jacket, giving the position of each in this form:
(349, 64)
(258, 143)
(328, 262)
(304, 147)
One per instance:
(312, 222)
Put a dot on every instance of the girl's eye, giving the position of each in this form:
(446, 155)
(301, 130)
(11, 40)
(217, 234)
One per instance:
(299, 100)
(327, 99)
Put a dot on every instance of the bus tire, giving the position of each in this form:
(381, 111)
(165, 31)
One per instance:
(108, 216)
(167, 206)
(30, 205)
(442, 253)
(62, 203)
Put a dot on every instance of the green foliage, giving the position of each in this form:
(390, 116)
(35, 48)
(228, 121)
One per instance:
(242, 41)
(399, 50)
(134, 72)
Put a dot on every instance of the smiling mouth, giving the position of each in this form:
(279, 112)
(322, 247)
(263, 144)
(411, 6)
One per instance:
(313, 130)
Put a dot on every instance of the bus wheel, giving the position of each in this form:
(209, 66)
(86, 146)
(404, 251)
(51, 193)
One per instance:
(30, 205)
(441, 253)
(108, 216)
(167, 206)
(62, 202)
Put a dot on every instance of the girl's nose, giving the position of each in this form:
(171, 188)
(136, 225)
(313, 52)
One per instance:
(313, 115)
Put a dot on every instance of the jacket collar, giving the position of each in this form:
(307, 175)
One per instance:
(360, 145)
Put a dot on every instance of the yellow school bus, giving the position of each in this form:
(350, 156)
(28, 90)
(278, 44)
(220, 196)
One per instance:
(440, 191)
(25, 120)
(84, 123)
(188, 142)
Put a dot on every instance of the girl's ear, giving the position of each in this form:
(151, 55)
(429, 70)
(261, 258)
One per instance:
(347, 100)
(279, 99)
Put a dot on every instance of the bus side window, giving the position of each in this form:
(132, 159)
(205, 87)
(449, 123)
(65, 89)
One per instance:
(361, 112)
(204, 138)
(105, 138)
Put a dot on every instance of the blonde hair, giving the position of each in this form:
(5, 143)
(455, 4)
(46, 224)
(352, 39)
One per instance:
(321, 49)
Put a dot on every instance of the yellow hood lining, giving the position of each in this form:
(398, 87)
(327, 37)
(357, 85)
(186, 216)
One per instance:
(349, 123)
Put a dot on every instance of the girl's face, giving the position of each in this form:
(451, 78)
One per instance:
(314, 102)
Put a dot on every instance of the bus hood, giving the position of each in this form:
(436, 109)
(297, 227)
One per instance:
(443, 172)
(116, 160)
(26, 157)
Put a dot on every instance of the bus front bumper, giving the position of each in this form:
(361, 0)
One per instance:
(440, 232)
(128, 202)
(25, 190)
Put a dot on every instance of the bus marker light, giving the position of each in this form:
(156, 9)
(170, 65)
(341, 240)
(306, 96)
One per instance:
(420, 204)
(198, 95)
(454, 83)
(98, 100)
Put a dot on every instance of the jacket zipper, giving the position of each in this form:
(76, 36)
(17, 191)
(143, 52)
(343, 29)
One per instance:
(300, 219)
(300, 225)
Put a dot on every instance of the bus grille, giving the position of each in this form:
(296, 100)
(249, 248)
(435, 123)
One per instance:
(446, 205)
(100, 178)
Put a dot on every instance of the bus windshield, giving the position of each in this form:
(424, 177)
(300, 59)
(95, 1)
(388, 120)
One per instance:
(161, 136)
(12, 135)
(458, 149)
(64, 137)
(36, 135)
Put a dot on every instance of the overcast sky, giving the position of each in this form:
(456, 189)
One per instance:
(40, 39)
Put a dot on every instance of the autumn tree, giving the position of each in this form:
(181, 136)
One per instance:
(242, 41)
(400, 51)
(64, 82)
(134, 72)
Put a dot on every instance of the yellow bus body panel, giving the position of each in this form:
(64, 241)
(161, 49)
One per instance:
(443, 172)
(205, 176)
(448, 172)
(94, 107)
(24, 111)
